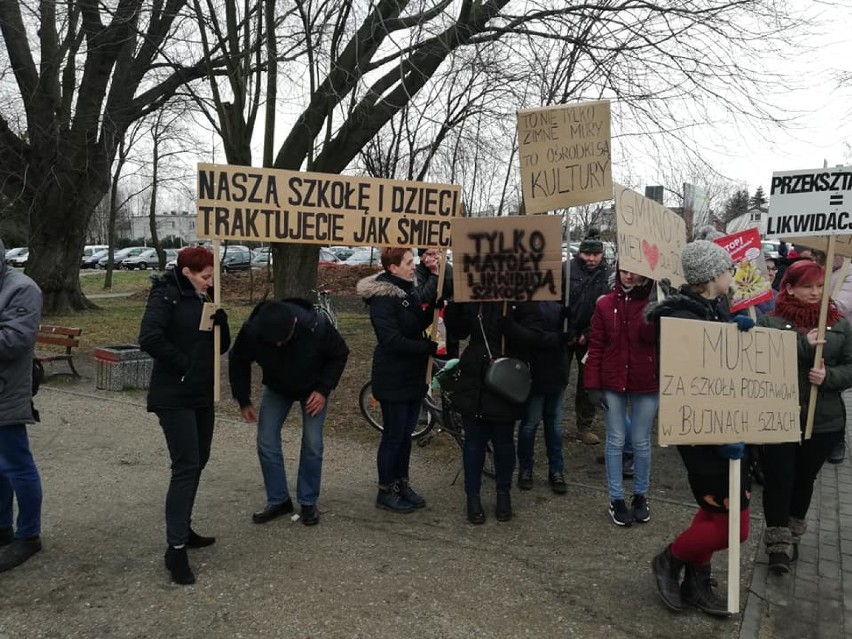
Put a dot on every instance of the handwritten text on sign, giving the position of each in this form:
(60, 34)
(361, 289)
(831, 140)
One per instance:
(517, 258)
(245, 203)
(720, 385)
(565, 155)
(650, 237)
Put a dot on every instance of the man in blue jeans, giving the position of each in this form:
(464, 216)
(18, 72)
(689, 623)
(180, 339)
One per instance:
(302, 357)
(20, 315)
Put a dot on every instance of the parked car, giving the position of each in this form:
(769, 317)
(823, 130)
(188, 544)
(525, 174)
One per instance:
(91, 261)
(146, 259)
(19, 259)
(363, 255)
(90, 249)
(770, 248)
(15, 252)
(120, 255)
(236, 260)
(328, 258)
(342, 252)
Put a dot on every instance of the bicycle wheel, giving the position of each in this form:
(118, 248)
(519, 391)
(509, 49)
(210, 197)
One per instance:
(329, 311)
(372, 412)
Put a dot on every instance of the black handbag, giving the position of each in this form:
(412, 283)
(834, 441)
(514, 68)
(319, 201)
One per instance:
(507, 377)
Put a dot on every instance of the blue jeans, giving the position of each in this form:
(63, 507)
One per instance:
(643, 409)
(394, 454)
(477, 432)
(273, 411)
(19, 477)
(547, 406)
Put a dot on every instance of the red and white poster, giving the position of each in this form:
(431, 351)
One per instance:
(751, 284)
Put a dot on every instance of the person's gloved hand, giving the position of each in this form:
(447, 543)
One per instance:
(743, 322)
(567, 338)
(731, 451)
(596, 398)
(220, 317)
(433, 348)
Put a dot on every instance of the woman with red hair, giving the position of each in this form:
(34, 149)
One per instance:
(791, 469)
(181, 390)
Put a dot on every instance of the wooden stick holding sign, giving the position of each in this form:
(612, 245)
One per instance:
(823, 316)
(734, 486)
(442, 273)
(217, 330)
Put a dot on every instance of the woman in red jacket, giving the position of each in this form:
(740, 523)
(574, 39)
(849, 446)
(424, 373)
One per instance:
(621, 370)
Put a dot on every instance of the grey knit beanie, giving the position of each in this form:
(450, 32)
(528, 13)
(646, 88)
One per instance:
(704, 261)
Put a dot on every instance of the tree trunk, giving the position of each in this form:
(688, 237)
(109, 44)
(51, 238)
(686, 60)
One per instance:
(295, 270)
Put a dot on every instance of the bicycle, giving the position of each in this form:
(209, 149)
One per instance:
(323, 304)
(436, 414)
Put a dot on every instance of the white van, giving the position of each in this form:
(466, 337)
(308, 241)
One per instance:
(91, 249)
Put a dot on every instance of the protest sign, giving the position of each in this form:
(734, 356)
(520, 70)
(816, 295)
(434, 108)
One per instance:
(720, 385)
(808, 203)
(515, 258)
(271, 205)
(650, 237)
(565, 155)
(750, 284)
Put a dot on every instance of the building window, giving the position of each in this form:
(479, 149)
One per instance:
(755, 217)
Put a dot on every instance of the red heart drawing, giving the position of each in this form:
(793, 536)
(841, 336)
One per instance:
(652, 254)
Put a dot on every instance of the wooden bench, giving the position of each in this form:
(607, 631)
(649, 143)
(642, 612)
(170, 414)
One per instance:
(63, 336)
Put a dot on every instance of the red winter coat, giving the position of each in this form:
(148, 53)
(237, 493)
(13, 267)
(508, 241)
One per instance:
(622, 345)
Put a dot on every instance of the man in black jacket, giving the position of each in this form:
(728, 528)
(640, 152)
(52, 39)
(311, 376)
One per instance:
(302, 357)
(589, 280)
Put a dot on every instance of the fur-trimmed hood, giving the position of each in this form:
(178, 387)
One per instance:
(681, 303)
(380, 285)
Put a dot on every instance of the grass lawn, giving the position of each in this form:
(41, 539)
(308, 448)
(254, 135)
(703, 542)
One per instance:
(122, 281)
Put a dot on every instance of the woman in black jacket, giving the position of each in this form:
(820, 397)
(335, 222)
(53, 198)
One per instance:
(487, 417)
(181, 390)
(399, 371)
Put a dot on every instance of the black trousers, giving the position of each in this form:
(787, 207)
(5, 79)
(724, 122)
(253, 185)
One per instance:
(583, 406)
(189, 434)
(790, 471)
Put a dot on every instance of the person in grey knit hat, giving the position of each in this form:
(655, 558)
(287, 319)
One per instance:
(704, 261)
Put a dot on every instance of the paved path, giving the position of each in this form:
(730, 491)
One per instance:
(815, 599)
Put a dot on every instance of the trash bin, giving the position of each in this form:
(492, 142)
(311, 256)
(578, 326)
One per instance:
(122, 366)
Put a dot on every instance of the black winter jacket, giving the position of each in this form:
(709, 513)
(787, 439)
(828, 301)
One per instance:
(706, 468)
(312, 360)
(183, 355)
(470, 397)
(537, 328)
(402, 349)
(585, 288)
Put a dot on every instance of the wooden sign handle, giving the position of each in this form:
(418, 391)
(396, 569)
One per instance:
(823, 315)
(217, 330)
(442, 273)
(734, 535)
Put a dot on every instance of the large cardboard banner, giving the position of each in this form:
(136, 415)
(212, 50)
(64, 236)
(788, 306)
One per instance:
(751, 283)
(720, 385)
(271, 205)
(565, 155)
(514, 258)
(650, 237)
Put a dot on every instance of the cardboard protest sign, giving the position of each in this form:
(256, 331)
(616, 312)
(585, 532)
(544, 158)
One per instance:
(720, 385)
(751, 283)
(810, 203)
(515, 258)
(650, 237)
(270, 205)
(565, 155)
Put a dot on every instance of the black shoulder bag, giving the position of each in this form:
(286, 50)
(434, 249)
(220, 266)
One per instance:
(507, 377)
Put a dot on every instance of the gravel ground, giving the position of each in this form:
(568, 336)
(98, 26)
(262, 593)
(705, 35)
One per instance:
(560, 568)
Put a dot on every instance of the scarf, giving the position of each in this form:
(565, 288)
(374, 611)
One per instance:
(804, 316)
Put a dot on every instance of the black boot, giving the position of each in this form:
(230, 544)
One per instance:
(199, 541)
(177, 563)
(407, 493)
(389, 499)
(6, 535)
(18, 551)
(504, 507)
(667, 568)
(838, 454)
(697, 590)
(779, 547)
(475, 514)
